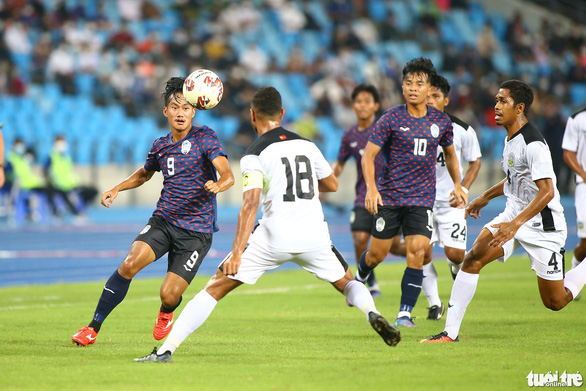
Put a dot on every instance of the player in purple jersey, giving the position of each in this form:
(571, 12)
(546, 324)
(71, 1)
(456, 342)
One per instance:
(409, 136)
(184, 220)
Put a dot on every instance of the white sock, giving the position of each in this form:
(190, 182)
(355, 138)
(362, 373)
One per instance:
(193, 315)
(576, 278)
(454, 266)
(575, 262)
(429, 285)
(358, 295)
(462, 293)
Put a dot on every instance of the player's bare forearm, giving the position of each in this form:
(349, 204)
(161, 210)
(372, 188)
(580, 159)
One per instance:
(367, 163)
(138, 178)
(337, 168)
(477, 204)
(495, 191)
(328, 184)
(471, 173)
(459, 198)
(246, 219)
(544, 195)
(572, 162)
(226, 180)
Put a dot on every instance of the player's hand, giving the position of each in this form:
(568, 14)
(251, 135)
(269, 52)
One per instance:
(232, 264)
(458, 199)
(211, 187)
(506, 231)
(474, 207)
(108, 197)
(372, 201)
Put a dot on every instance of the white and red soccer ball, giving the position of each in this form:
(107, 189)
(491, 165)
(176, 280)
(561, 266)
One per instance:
(203, 89)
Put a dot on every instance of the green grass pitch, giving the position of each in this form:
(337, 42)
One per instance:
(291, 331)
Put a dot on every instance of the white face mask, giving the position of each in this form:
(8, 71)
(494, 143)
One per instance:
(19, 149)
(61, 146)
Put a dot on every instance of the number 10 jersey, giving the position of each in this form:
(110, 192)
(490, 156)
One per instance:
(293, 219)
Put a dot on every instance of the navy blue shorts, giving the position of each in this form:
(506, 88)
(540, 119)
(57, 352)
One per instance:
(412, 220)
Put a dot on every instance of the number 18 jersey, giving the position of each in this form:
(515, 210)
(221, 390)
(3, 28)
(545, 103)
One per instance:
(293, 219)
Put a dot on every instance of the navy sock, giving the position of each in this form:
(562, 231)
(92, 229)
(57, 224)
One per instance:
(410, 288)
(363, 268)
(114, 292)
(371, 280)
(168, 310)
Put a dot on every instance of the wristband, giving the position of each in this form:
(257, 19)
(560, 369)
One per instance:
(464, 190)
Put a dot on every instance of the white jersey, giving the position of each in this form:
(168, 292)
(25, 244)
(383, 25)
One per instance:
(466, 146)
(526, 158)
(575, 138)
(291, 166)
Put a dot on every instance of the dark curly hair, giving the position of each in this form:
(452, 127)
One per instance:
(420, 65)
(173, 86)
(441, 83)
(520, 92)
(365, 88)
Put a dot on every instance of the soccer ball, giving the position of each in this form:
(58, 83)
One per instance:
(203, 89)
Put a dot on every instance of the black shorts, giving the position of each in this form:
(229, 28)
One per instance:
(186, 248)
(412, 220)
(361, 220)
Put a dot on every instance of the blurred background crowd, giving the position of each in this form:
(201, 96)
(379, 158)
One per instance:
(92, 71)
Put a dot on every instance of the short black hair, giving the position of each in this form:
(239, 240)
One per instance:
(441, 83)
(266, 102)
(363, 87)
(520, 92)
(420, 65)
(173, 86)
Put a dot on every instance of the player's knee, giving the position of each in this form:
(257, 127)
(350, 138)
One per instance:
(555, 304)
(374, 257)
(472, 263)
(455, 255)
(128, 268)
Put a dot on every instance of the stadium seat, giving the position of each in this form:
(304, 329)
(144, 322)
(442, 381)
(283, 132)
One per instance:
(578, 94)
(377, 10)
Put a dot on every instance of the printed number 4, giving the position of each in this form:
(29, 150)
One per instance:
(553, 262)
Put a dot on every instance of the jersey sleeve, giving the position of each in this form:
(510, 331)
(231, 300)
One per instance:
(381, 130)
(448, 136)
(152, 163)
(344, 152)
(570, 140)
(539, 161)
(470, 146)
(212, 146)
(322, 167)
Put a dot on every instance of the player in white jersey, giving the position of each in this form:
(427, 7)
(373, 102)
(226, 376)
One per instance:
(574, 146)
(449, 222)
(533, 217)
(286, 173)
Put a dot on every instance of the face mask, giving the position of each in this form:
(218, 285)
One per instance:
(19, 149)
(61, 146)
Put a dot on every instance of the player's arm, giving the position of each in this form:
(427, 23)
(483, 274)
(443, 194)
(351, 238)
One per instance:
(474, 207)
(328, 184)
(2, 178)
(508, 229)
(337, 167)
(458, 197)
(373, 197)
(471, 174)
(138, 178)
(572, 162)
(226, 180)
(246, 219)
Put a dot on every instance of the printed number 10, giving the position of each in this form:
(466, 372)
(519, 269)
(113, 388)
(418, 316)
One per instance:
(419, 146)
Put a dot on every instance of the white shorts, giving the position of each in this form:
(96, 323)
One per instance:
(581, 209)
(544, 248)
(325, 263)
(449, 226)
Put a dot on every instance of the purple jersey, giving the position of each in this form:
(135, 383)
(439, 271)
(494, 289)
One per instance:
(409, 146)
(353, 144)
(186, 166)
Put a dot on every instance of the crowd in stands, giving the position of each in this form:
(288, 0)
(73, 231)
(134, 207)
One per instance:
(120, 52)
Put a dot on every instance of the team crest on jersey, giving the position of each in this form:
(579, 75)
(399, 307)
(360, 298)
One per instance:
(145, 230)
(580, 225)
(511, 160)
(434, 130)
(185, 147)
(380, 224)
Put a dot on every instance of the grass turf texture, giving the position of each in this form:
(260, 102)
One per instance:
(291, 331)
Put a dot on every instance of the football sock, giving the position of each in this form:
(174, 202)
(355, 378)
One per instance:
(363, 268)
(576, 278)
(359, 296)
(454, 268)
(371, 280)
(168, 310)
(429, 285)
(114, 292)
(575, 262)
(191, 318)
(410, 288)
(462, 293)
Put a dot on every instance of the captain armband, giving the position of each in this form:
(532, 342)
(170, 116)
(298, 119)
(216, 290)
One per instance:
(252, 180)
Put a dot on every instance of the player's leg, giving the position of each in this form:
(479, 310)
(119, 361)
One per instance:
(580, 249)
(188, 250)
(398, 246)
(466, 281)
(455, 258)
(115, 289)
(361, 225)
(579, 255)
(429, 286)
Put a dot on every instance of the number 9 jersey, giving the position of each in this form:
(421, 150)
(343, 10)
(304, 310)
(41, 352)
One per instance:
(287, 168)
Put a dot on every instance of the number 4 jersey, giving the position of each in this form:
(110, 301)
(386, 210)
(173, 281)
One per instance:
(287, 168)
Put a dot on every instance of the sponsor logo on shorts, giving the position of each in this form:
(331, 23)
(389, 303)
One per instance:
(380, 224)
(536, 224)
(145, 230)
(554, 271)
(550, 379)
(352, 217)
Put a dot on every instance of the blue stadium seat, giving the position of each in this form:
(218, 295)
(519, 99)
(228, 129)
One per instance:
(377, 10)
(578, 94)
